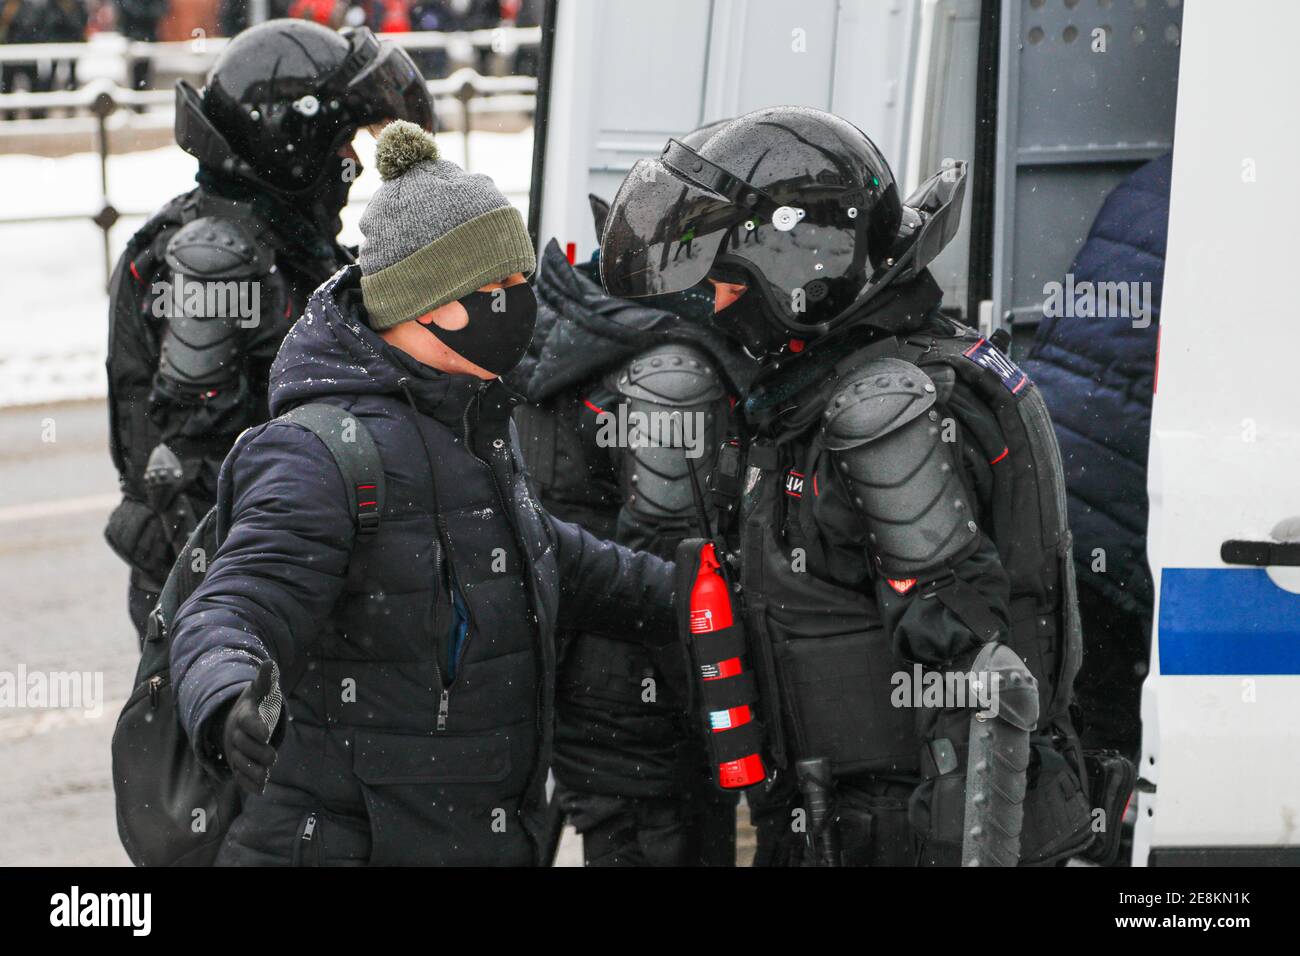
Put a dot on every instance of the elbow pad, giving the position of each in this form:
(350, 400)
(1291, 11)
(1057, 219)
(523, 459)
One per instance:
(884, 433)
(671, 399)
(217, 268)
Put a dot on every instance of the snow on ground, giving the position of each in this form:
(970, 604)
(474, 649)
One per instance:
(53, 305)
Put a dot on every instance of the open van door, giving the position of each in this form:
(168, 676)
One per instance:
(1220, 766)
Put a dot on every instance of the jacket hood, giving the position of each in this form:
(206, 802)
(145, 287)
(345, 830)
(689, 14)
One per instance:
(331, 352)
(582, 331)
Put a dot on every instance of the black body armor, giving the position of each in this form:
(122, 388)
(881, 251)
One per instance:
(929, 453)
(611, 386)
(199, 303)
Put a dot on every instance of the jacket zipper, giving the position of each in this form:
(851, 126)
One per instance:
(444, 703)
(444, 691)
(443, 548)
(540, 702)
(155, 686)
(306, 835)
(444, 698)
(464, 421)
(442, 545)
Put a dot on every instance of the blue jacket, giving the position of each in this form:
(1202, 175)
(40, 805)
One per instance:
(1097, 376)
(387, 757)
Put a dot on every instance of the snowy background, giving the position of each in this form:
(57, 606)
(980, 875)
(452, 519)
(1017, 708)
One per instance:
(53, 305)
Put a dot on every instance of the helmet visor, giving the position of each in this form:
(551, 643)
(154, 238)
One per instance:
(814, 263)
(662, 232)
(390, 87)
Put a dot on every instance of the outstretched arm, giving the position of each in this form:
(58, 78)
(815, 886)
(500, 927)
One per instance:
(279, 570)
(607, 588)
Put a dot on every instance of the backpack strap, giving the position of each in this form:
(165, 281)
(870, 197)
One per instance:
(354, 452)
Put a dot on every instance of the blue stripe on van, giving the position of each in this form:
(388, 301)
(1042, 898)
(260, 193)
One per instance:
(1227, 621)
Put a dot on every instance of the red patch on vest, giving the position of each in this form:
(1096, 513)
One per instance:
(903, 586)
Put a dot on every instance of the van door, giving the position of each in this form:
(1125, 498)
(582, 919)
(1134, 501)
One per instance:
(1220, 766)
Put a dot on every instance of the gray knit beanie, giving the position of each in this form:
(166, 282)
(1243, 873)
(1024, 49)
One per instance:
(433, 233)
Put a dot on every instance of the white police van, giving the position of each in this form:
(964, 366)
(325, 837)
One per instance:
(1053, 102)
(1221, 710)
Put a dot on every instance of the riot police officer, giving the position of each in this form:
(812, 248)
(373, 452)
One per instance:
(633, 779)
(902, 516)
(205, 291)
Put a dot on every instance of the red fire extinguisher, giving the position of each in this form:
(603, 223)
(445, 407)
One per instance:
(710, 615)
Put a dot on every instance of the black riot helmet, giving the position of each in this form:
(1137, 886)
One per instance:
(794, 203)
(694, 139)
(698, 137)
(284, 95)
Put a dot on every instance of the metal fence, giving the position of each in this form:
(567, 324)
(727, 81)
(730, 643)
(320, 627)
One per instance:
(465, 94)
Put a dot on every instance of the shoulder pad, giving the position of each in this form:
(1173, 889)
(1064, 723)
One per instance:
(212, 247)
(673, 374)
(873, 401)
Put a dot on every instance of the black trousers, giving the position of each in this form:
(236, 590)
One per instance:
(655, 831)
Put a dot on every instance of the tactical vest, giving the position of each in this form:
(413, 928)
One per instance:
(824, 653)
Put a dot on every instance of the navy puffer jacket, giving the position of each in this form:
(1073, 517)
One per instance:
(1097, 376)
(402, 746)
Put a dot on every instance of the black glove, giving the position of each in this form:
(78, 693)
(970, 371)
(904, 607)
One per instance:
(248, 726)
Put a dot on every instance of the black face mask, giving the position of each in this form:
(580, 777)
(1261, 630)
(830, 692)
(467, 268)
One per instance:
(745, 322)
(329, 199)
(694, 305)
(499, 330)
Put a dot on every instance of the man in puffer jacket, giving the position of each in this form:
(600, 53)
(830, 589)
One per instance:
(1097, 376)
(418, 663)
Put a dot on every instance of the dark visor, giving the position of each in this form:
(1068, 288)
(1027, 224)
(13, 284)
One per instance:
(668, 221)
(388, 85)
